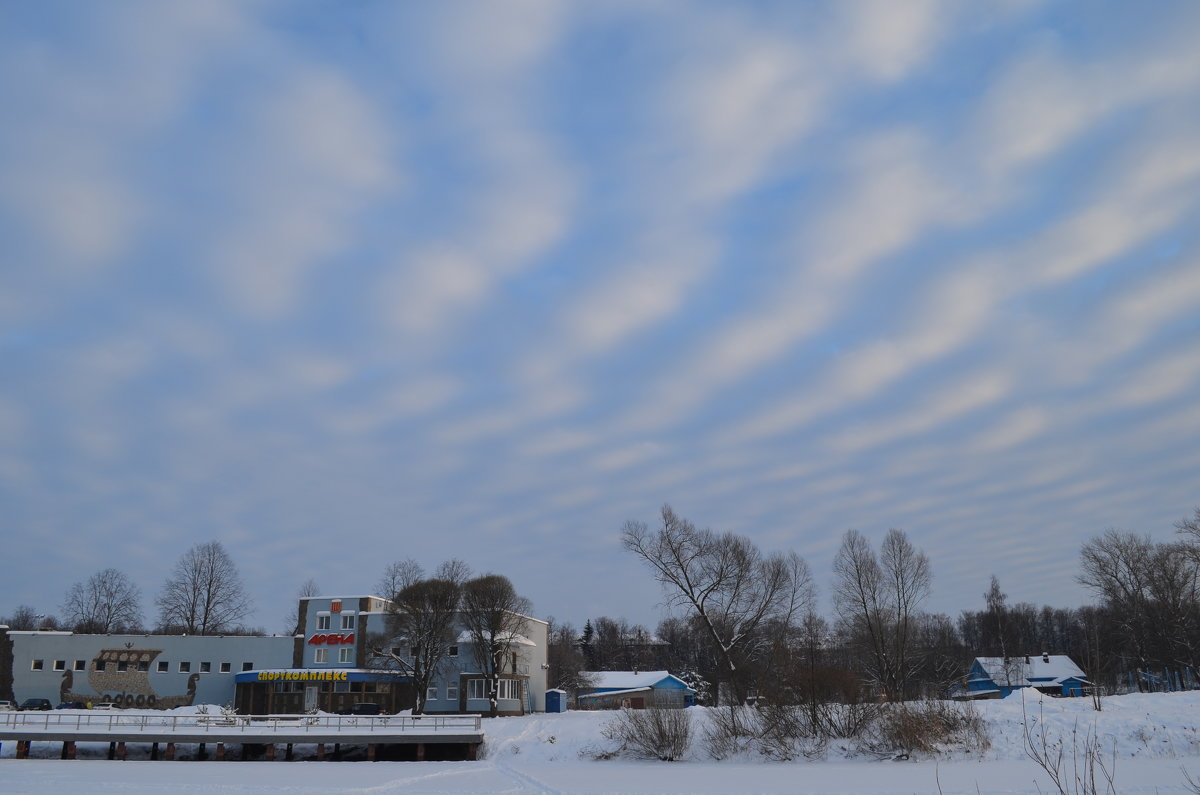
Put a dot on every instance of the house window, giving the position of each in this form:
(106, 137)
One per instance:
(347, 621)
(38, 665)
(321, 656)
(206, 667)
(122, 666)
(477, 688)
(143, 665)
(247, 666)
(452, 651)
(60, 665)
(81, 665)
(431, 693)
(101, 665)
(346, 655)
(163, 666)
(323, 621)
(225, 667)
(452, 690)
(185, 667)
(509, 688)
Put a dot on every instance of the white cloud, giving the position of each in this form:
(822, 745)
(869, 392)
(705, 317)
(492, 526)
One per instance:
(887, 39)
(1014, 429)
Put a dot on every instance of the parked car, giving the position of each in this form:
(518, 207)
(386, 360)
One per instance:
(7, 706)
(105, 705)
(72, 705)
(364, 708)
(35, 704)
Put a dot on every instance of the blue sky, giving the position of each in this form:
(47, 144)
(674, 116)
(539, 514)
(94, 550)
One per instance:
(339, 284)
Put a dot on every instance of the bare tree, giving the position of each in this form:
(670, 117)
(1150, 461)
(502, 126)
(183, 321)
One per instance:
(108, 601)
(421, 621)
(26, 617)
(726, 582)
(398, 576)
(453, 570)
(568, 666)
(204, 594)
(294, 624)
(877, 599)
(494, 615)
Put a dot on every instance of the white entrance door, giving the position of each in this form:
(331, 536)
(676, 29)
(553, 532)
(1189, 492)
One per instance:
(310, 699)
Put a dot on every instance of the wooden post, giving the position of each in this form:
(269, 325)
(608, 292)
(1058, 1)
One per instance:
(420, 752)
(320, 751)
(170, 752)
(220, 752)
(472, 751)
(112, 751)
(121, 751)
(270, 752)
(153, 752)
(370, 752)
(289, 756)
(201, 753)
(22, 749)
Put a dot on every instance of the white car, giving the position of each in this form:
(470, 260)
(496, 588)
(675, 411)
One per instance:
(105, 705)
(7, 706)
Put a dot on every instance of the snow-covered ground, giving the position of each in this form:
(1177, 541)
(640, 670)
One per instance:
(1155, 737)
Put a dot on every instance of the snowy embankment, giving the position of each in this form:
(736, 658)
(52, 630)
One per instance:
(1155, 737)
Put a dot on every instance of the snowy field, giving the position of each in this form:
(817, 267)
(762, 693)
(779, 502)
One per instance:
(1156, 738)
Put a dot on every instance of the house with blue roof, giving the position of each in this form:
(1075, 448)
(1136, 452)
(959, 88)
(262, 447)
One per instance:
(634, 689)
(997, 677)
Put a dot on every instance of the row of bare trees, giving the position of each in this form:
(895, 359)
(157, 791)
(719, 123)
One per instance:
(747, 620)
(203, 595)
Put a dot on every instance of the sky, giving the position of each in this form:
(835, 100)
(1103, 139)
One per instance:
(340, 284)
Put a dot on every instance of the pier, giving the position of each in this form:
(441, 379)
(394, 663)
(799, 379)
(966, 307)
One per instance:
(384, 736)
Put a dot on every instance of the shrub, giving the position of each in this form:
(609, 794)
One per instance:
(925, 727)
(651, 733)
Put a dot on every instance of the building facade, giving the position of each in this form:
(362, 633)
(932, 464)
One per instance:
(330, 666)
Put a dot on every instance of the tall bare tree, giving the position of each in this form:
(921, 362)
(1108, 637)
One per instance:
(422, 619)
(398, 576)
(108, 601)
(877, 599)
(731, 588)
(293, 623)
(494, 615)
(204, 594)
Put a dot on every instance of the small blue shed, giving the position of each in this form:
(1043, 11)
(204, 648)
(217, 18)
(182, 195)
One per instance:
(556, 700)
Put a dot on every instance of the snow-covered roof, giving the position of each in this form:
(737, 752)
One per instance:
(606, 693)
(1035, 669)
(511, 638)
(627, 680)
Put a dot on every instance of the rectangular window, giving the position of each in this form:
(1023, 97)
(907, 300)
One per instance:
(509, 688)
(143, 665)
(163, 666)
(347, 621)
(321, 655)
(81, 665)
(206, 667)
(452, 651)
(60, 665)
(346, 655)
(452, 690)
(101, 665)
(122, 666)
(224, 667)
(38, 665)
(248, 666)
(185, 667)
(323, 621)
(477, 688)
(431, 693)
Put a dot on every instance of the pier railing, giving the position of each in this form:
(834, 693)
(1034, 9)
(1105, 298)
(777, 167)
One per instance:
(82, 720)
